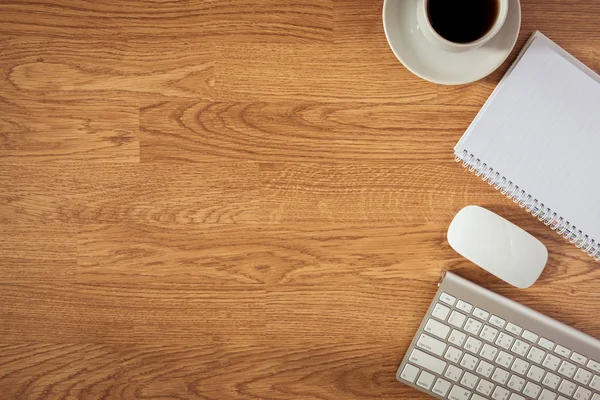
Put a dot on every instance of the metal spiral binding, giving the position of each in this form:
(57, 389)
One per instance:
(531, 205)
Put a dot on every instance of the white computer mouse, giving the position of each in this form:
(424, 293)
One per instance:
(498, 246)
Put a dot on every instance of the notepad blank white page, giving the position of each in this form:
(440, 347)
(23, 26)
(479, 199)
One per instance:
(541, 130)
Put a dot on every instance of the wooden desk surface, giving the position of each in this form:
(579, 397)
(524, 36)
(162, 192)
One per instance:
(247, 199)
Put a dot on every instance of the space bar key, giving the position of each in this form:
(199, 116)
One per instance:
(424, 360)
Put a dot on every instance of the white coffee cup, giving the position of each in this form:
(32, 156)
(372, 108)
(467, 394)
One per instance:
(432, 36)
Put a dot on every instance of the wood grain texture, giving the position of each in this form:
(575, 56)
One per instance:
(238, 199)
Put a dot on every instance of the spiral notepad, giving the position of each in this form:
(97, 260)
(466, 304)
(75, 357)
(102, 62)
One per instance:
(537, 140)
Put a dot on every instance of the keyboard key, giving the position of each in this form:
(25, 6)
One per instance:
(468, 362)
(582, 376)
(504, 340)
(515, 329)
(425, 380)
(485, 368)
(458, 393)
(500, 393)
(448, 299)
(469, 380)
(437, 328)
(562, 351)
(485, 387)
(440, 311)
(516, 383)
(477, 397)
(488, 333)
(409, 373)
(457, 338)
(481, 314)
(500, 376)
(596, 396)
(497, 321)
(567, 387)
(520, 366)
(582, 394)
(528, 335)
(551, 380)
(520, 347)
(535, 373)
(515, 396)
(441, 387)
(595, 383)
(457, 319)
(551, 362)
(567, 369)
(546, 344)
(433, 345)
(488, 352)
(453, 373)
(594, 365)
(453, 354)
(532, 390)
(578, 358)
(424, 360)
(547, 395)
(472, 326)
(536, 355)
(464, 306)
(473, 345)
(504, 359)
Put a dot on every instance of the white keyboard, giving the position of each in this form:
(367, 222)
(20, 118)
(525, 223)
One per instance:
(474, 344)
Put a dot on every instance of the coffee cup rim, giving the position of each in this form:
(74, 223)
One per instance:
(500, 19)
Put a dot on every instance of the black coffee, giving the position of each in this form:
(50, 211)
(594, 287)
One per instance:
(462, 21)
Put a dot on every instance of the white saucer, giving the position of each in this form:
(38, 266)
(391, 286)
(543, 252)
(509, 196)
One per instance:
(425, 60)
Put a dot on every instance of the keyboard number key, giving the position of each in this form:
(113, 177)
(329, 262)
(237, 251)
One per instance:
(536, 355)
(488, 333)
(497, 321)
(532, 390)
(582, 394)
(441, 387)
(457, 319)
(409, 373)
(528, 335)
(485, 387)
(594, 366)
(520, 347)
(567, 369)
(440, 311)
(551, 362)
(481, 314)
(472, 326)
(448, 299)
(458, 393)
(504, 340)
(425, 380)
(464, 306)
